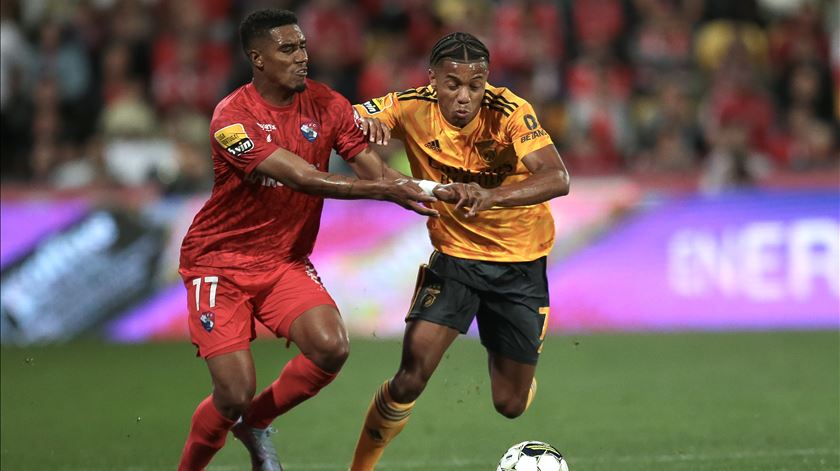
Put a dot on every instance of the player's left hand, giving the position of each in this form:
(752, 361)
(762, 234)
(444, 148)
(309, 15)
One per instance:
(376, 130)
(470, 198)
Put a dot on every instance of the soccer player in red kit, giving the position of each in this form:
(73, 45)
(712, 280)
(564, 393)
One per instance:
(245, 257)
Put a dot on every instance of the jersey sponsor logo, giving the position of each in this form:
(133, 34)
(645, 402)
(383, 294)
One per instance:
(530, 122)
(372, 107)
(485, 178)
(377, 105)
(267, 127)
(234, 139)
(433, 145)
(309, 131)
(208, 320)
(533, 135)
(264, 180)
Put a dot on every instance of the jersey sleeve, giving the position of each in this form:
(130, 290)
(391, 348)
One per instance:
(525, 132)
(386, 109)
(240, 141)
(349, 139)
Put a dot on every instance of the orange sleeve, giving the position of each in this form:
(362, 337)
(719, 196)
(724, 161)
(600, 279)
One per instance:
(386, 109)
(525, 132)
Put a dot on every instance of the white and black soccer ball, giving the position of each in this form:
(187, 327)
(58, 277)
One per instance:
(532, 456)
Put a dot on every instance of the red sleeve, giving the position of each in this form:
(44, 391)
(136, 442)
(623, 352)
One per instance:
(240, 141)
(349, 139)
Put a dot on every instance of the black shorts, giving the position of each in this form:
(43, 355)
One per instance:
(509, 299)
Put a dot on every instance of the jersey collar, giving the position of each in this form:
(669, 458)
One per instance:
(252, 91)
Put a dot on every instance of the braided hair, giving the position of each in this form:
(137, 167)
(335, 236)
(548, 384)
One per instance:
(462, 47)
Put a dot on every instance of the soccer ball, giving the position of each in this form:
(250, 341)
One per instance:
(532, 456)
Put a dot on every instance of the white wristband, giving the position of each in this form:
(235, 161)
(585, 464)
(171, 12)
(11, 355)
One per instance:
(428, 186)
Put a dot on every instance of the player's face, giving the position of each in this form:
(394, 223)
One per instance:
(283, 57)
(460, 89)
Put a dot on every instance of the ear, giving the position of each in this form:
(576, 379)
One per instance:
(432, 80)
(256, 58)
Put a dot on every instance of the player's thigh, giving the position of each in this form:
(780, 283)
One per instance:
(296, 290)
(440, 298)
(424, 344)
(509, 378)
(234, 378)
(220, 313)
(320, 335)
(512, 319)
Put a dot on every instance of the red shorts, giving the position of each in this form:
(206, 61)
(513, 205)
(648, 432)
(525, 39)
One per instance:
(223, 305)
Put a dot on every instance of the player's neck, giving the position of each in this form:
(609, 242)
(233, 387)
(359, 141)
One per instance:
(273, 95)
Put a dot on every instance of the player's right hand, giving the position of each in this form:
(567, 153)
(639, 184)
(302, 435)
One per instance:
(409, 195)
(471, 197)
(376, 131)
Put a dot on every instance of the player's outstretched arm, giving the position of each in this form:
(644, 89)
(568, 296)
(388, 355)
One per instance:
(549, 179)
(296, 173)
(369, 166)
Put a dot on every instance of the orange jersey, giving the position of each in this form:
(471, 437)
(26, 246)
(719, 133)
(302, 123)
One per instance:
(487, 151)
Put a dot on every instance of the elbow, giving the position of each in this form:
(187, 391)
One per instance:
(563, 183)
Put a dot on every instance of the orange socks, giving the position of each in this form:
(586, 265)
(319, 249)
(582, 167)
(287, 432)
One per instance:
(385, 420)
(531, 393)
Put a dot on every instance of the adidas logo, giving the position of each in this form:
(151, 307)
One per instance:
(433, 145)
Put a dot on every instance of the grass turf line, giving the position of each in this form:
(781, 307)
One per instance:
(723, 401)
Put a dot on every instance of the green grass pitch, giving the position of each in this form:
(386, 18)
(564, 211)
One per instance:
(640, 402)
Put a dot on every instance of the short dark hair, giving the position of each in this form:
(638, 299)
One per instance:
(462, 47)
(260, 22)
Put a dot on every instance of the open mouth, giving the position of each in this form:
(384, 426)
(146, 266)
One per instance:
(302, 72)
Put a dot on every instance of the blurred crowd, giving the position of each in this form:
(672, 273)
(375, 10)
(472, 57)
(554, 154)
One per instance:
(119, 92)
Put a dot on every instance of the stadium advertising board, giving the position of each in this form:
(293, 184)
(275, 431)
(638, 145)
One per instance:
(65, 281)
(752, 260)
(756, 260)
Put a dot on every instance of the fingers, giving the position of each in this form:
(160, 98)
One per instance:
(376, 131)
(423, 198)
(423, 210)
(386, 133)
(461, 202)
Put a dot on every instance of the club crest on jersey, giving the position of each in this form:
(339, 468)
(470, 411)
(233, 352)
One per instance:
(234, 139)
(208, 320)
(309, 131)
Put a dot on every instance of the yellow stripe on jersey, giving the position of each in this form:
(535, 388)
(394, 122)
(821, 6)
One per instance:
(487, 151)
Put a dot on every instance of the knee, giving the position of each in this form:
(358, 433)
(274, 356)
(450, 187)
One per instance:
(330, 352)
(510, 407)
(407, 386)
(233, 400)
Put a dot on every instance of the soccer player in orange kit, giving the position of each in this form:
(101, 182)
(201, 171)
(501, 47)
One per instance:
(489, 261)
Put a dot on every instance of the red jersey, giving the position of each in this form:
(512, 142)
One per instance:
(252, 222)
